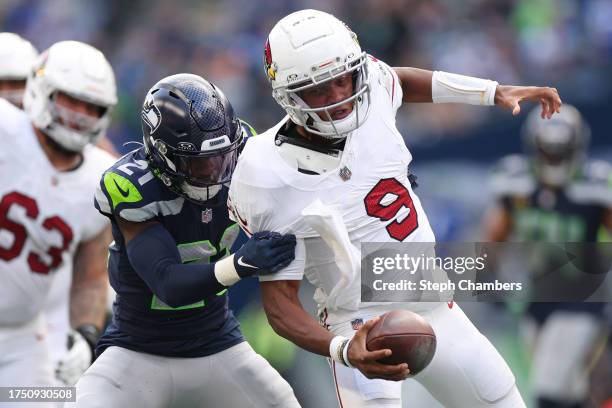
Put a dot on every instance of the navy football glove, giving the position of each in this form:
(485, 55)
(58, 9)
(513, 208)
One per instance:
(265, 253)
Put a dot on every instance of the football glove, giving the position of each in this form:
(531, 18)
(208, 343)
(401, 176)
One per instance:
(75, 361)
(265, 253)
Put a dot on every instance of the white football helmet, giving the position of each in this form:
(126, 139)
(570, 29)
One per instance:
(17, 56)
(306, 49)
(80, 71)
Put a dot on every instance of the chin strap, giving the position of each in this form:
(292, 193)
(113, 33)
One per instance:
(333, 149)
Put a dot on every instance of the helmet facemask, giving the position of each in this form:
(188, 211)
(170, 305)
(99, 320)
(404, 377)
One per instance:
(310, 117)
(557, 155)
(73, 130)
(198, 175)
(558, 146)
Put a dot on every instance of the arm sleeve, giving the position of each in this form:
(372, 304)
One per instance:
(156, 259)
(293, 271)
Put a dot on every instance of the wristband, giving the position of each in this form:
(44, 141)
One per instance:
(91, 334)
(347, 343)
(455, 88)
(338, 348)
(225, 272)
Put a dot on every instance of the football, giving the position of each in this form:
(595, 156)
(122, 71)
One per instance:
(410, 338)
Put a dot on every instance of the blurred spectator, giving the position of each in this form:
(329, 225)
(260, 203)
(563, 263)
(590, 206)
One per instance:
(565, 43)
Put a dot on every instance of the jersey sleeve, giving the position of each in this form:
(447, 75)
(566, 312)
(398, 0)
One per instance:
(247, 209)
(293, 271)
(253, 208)
(385, 78)
(130, 191)
(97, 161)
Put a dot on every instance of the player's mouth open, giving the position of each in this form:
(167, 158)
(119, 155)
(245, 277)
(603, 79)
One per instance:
(340, 113)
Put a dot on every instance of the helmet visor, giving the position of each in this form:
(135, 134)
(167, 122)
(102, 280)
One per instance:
(555, 145)
(329, 93)
(204, 171)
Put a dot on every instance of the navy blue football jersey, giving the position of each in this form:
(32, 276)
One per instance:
(574, 213)
(203, 233)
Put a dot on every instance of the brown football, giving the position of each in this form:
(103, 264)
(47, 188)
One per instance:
(409, 337)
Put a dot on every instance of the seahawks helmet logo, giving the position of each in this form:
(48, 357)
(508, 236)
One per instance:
(186, 146)
(151, 115)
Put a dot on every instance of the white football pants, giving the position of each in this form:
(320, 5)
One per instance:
(24, 359)
(466, 371)
(236, 377)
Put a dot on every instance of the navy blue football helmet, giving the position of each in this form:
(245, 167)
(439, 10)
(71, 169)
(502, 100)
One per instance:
(191, 136)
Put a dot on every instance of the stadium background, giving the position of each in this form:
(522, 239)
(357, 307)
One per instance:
(562, 43)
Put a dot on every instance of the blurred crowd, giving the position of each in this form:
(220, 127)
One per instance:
(561, 43)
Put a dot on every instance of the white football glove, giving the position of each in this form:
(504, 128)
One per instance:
(77, 359)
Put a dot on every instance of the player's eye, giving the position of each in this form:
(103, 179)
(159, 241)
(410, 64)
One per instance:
(343, 80)
(315, 92)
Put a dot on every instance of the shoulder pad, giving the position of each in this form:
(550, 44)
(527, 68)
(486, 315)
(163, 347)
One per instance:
(129, 190)
(13, 120)
(512, 176)
(384, 76)
(514, 164)
(597, 171)
(594, 185)
(97, 159)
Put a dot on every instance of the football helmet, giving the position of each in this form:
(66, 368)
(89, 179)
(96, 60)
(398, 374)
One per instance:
(308, 49)
(558, 145)
(191, 136)
(81, 72)
(17, 56)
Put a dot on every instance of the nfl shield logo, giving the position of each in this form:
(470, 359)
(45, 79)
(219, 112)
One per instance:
(345, 173)
(207, 215)
(357, 323)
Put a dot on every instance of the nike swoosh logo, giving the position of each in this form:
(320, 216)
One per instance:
(124, 193)
(242, 263)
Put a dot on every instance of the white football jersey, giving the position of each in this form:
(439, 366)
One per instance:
(44, 215)
(370, 191)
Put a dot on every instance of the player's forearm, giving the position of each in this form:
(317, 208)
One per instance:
(155, 258)
(289, 320)
(419, 85)
(89, 288)
(88, 303)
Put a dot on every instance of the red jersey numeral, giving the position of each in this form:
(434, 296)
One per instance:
(400, 197)
(19, 233)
